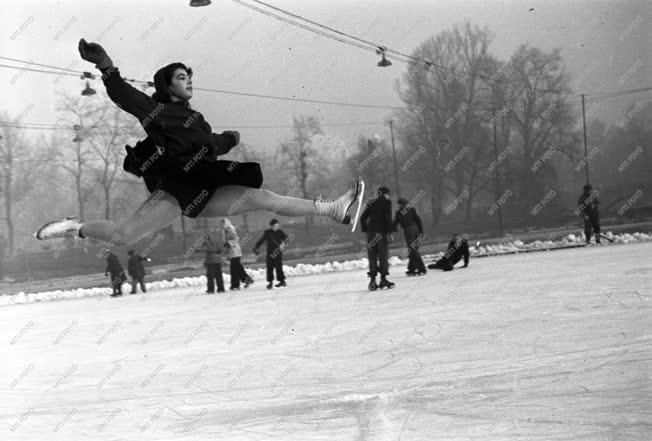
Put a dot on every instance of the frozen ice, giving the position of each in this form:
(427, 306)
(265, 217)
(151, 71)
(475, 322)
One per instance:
(545, 346)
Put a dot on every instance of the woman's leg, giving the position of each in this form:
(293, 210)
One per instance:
(158, 211)
(236, 199)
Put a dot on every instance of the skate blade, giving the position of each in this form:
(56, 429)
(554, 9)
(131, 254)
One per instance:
(360, 188)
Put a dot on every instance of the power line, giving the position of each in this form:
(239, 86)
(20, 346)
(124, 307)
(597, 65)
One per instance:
(223, 91)
(405, 58)
(44, 126)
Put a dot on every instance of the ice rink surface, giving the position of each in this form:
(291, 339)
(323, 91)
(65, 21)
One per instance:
(539, 346)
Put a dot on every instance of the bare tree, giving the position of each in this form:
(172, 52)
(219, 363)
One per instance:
(446, 111)
(300, 154)
(540, 113)
(112, 130)
(17, 169)
(74, 155)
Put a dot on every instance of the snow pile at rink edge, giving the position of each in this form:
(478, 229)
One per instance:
(199, 282)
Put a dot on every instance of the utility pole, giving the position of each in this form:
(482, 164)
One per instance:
(391, 129)
(586, 150)
(497, 176)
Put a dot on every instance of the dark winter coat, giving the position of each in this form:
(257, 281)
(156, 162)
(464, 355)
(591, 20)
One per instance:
(179, 131)
(113, 265)
(407, 217)
(588, 203)
(180, 153)
(456, 251)
(377, 216)
(135, 267)
(273, 240)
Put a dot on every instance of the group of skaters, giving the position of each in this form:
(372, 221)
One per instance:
(376, 221)
(224, 244)
(219, 245)
(378, 224)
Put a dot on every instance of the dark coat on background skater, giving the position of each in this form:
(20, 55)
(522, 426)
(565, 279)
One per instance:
(117, 273)
(587, 207)
(410, 221)
(376, 222)
(275, 241)
(136, 270)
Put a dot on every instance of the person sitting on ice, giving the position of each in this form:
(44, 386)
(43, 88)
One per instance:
(587, 207)
(179, 163)
(275, 239)
(376, 223)
(458, 248)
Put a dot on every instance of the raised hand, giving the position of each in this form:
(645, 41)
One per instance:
(94, 53)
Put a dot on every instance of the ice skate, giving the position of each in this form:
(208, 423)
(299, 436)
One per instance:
(281, 284)
(68, 227)
(270, 285)
(346, 208)
(373, 285)
(410, 273)
(384, 283)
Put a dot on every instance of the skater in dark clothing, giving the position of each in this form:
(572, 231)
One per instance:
(116, 272)
(234, 253)
(179, 163)
(587, 207)
(376, 222)
(214, 250)
(410, 221)
(136, 270)
(275, 239)
(458, 248)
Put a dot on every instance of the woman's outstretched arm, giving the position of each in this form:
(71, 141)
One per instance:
(127, 97)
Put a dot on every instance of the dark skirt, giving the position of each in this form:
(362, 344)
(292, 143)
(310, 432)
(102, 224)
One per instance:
(191, 184)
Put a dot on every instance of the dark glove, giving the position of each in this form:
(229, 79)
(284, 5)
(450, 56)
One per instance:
(94, 53)
(235, 136)
(256, 252)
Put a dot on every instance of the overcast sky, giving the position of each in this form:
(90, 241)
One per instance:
(605, 45)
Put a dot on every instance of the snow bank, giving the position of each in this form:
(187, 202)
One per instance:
(304, 269)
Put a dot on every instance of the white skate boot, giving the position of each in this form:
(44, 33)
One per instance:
(346, 208)
(68, 227)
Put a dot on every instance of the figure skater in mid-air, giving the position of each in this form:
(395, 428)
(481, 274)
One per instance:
(178, 162)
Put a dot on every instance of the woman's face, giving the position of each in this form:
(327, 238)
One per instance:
(181, 85)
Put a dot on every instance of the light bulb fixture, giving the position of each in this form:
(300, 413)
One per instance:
(198, 3)
(88, 90)
(384, 62)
